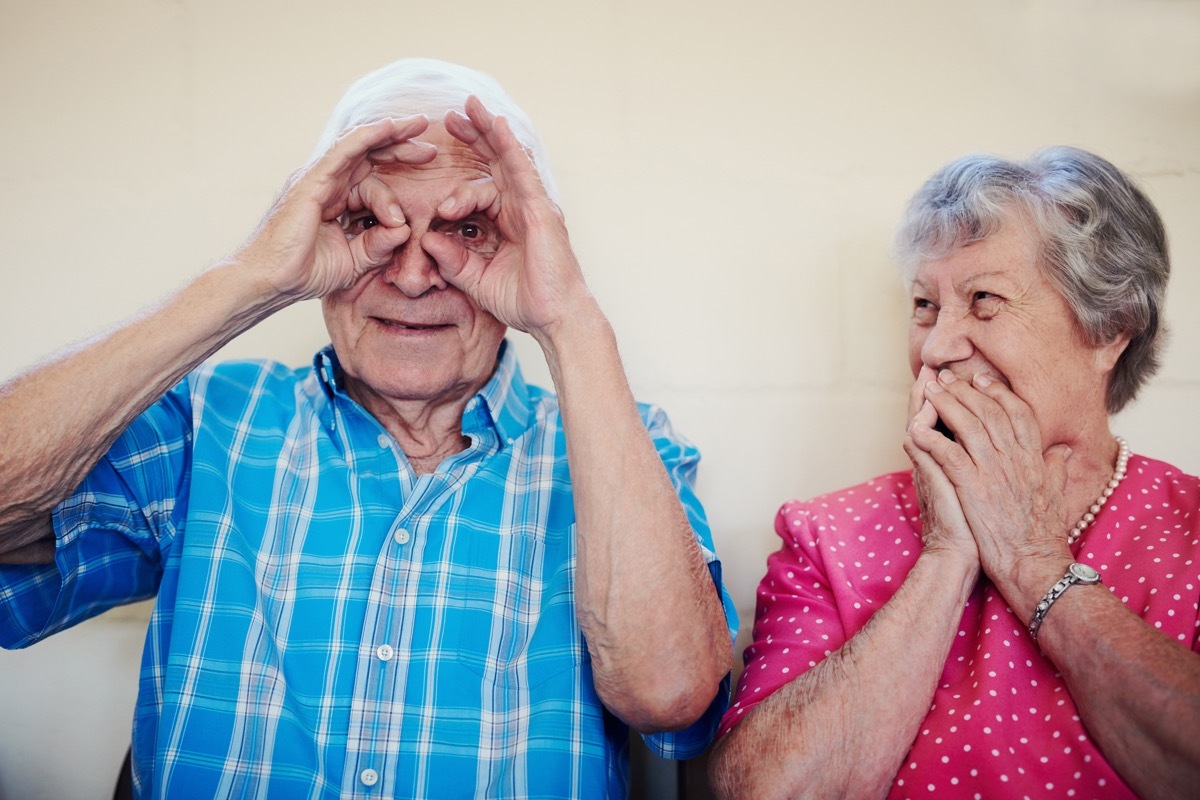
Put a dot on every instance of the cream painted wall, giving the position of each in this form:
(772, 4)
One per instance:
(731, 180)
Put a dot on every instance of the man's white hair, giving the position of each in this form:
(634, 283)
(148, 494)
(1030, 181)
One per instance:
(427, 86)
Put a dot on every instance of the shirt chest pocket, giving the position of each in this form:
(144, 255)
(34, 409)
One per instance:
(512, 620)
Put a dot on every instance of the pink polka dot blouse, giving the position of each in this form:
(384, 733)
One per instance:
(1002, 723)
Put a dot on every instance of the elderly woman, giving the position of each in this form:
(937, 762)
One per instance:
(1016, 616)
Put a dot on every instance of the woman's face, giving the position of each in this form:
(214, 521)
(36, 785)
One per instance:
(987, 308)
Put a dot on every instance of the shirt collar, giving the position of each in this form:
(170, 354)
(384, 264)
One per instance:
(503, 400)
(506, 396)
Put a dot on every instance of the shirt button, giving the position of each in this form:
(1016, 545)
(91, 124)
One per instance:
(384, 440)
(385, 652)
(369, 777)
(401, 536)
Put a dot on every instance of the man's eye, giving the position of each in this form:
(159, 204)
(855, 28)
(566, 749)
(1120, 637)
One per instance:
(475, 234)
(356, 225)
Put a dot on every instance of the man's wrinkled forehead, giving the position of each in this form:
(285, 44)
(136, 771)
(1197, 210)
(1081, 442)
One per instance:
(454, 159)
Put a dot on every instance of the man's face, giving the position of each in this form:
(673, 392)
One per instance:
(401, 332)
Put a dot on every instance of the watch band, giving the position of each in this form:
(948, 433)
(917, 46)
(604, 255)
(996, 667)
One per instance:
(1076, 573)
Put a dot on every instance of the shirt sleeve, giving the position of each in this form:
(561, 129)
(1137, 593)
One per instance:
(796, 621)
(681, 459)
(111, 533)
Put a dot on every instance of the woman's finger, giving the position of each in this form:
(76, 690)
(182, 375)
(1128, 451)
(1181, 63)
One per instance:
(1020, 416)
(969, 431)
(916, 395)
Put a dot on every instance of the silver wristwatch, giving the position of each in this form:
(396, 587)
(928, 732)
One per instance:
(1076, 573)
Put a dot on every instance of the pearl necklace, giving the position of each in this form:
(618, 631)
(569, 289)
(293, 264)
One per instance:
(1113, 483)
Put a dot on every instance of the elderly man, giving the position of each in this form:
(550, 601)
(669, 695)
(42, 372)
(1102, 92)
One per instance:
(402, 571)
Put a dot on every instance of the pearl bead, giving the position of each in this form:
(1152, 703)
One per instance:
(1118, 475)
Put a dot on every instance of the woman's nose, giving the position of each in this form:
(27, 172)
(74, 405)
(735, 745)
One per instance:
(947, 342)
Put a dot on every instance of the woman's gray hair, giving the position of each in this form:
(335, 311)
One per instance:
(1102, 243)
(427, 86)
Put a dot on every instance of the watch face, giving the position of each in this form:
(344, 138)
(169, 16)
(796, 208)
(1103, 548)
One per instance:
(1084, 574)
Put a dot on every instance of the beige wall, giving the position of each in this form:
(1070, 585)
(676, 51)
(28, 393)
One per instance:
(731, 180)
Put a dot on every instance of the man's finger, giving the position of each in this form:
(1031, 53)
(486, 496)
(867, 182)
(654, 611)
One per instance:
(351, 147)
(375, 247)
(479, 196)
(453, 260)
(495, 136)
(410, 151)
(377, 197)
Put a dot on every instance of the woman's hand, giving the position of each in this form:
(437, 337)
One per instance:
(1010, 491)
(943, 523)
(532, 282)
(300, 248)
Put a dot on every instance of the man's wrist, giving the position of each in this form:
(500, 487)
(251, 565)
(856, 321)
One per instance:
(581, 323)
(247, 288)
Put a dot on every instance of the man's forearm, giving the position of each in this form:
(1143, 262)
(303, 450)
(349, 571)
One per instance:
(59, 418)
(646, 600)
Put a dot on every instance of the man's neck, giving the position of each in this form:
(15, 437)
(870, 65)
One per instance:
(427, 430)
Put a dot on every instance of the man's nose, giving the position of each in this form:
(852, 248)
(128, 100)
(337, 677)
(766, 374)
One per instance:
(948, 341)
(412, 270)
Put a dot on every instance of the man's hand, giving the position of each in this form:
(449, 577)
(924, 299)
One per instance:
(300, 248)
(533, 281)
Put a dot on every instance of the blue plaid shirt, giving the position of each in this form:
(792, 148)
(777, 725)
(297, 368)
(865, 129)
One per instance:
(329, 623)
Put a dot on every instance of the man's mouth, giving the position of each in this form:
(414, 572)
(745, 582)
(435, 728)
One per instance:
(406, 325)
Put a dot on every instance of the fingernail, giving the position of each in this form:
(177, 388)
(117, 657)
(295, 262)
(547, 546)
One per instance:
(448, 205)
(397, 213)
(933, 387)
(982, 381)
(946, 376)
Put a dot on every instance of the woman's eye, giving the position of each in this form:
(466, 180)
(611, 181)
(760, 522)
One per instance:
(923, 310)
(986, 304)
(469, 230)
